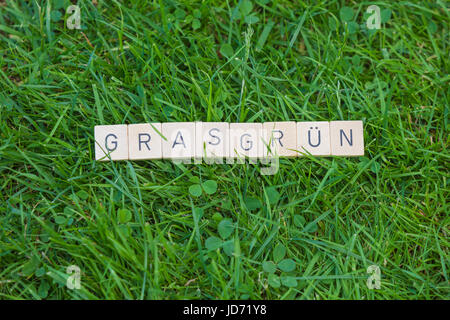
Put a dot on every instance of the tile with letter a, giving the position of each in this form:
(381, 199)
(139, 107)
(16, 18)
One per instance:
(111, 141)
(178, 142)
(313, 137)
(212, 141)
(347, 138)
(144, 141)
(246, 141)
(280, 138)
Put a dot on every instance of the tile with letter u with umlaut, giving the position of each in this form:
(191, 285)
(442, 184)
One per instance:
(313, 137)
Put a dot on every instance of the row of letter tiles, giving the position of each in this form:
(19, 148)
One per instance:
(212, 140)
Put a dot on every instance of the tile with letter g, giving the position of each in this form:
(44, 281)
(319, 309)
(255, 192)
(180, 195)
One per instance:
(246, 141)
(111, 141)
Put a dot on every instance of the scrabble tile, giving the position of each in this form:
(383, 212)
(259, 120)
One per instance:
(111, 140)
(178, 140)
(280, 138)
(347, 138)
(314, 138)
(246, 141)
(144, 141)
(212, 140)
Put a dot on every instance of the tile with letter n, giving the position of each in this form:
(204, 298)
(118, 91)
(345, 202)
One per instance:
(111, 142)
(144, 141)
(347, 138)
(212, 141)
(246, 141)
(280, 138)
(313, 137)
(178, 141)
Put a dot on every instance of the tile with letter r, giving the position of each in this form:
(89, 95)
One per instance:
(178, 141)
(347, 138)
(313, 137)
(212, 141)
(246, 141)
(144, 141)
(280, 138)
(111, 141)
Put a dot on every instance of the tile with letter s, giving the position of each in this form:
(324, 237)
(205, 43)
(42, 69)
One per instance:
(212, 141)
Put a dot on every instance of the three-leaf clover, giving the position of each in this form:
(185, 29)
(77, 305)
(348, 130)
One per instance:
(225, 228)
(283, 264)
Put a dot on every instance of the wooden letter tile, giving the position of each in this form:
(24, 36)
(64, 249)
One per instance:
(246, 141)
(111, 140)
(212, 140)
(347, 138)
(314, 138)
(144, 141)
(178, 140)
(280, 138)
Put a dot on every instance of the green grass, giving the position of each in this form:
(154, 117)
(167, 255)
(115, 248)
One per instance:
(133, 227)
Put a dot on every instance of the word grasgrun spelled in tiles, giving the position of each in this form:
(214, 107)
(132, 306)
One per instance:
(214, 141)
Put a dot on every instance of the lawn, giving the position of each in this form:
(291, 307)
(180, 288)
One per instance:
(160, 230)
